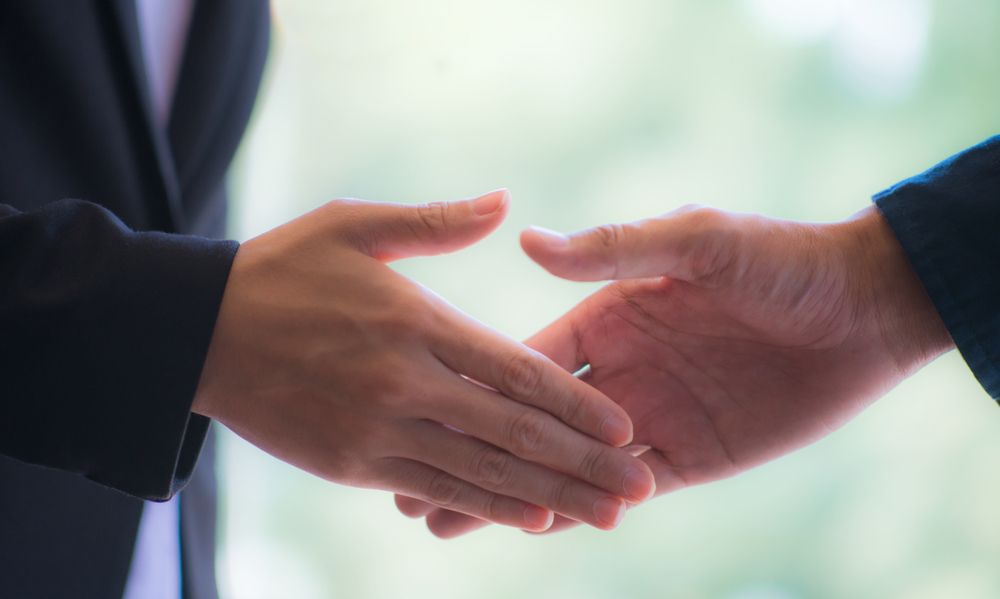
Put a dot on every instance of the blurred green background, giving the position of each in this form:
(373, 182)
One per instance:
(599, 111)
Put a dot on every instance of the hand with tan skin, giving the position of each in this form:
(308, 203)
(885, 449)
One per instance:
(731, 339)
(328, 359)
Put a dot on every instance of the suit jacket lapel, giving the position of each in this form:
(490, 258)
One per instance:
(223, 61)
(128, 26)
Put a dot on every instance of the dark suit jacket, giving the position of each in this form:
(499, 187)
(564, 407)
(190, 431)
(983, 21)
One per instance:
(948, 222)
(108, 298)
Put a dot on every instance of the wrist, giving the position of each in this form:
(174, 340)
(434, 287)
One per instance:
(892, 298)
(205, 396)
(208, 396)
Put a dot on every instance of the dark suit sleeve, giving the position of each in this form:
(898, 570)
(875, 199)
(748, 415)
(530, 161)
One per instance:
(948, 222)
(103, 335)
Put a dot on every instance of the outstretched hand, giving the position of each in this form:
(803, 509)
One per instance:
(328, 359)
(730, 339)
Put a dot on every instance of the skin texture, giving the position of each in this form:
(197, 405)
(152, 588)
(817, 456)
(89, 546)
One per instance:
(328, 359)
(731, 339)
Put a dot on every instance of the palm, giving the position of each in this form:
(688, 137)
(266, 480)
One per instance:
(720, 378)
(765, 339)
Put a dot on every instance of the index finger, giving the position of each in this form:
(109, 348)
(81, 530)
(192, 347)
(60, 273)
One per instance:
(527, 376)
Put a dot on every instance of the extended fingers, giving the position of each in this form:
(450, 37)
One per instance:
(499, 471)
(528, 377)
(558, 342)
(536, 436)
(440, 489)
(446, 524)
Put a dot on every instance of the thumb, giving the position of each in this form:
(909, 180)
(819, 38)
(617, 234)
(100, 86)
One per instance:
(388, 232)
(680, 245)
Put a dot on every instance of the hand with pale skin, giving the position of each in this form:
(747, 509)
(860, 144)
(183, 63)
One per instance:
(328, 359)
(731, 339)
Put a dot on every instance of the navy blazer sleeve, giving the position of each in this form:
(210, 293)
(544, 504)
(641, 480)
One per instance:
(948, 222)
(103, 335)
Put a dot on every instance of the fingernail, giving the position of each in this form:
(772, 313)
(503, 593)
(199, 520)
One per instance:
(553, 239)
(609, 511)
(538, 518)
(616, 430)
(638, 485)
(636, 450)
(489, 203)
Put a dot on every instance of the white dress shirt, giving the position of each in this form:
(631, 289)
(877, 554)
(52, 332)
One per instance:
(155, 572)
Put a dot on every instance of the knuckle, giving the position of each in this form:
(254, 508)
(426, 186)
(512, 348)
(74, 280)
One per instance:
(493, 509)
(443, 490)
(521, 376)
(687, 209)
(594, 463)
(390, 375)
(394, 391)
(707, 219)
(526, 435)
(396, 326)
(492, 466)
(424, 311)
(609, 239)
(339, 207)
(561, 494)
(710, 248)
(608, 236)
(574, 410)
(406, 316)
(434, 217)
(367, 441)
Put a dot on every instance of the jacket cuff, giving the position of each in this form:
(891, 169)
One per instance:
(160, 439)
(104, 333)
(948, 223)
